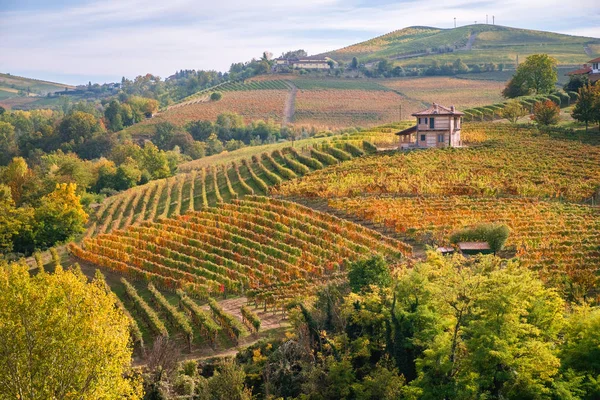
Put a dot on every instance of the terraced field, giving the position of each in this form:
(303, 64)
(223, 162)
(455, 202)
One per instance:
(209, 186)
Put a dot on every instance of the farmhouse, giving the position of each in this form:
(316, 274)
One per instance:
(591, 69)
(437, 126)
(304, 63)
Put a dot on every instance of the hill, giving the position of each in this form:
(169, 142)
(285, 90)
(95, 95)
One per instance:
(480, 43)
(20, 91)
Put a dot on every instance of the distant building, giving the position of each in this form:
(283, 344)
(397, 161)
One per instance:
(304, 63)
(592, 70)
(437, 126)
(472, 248)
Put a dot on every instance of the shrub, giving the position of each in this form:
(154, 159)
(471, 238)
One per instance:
(216, 96)
(495, 235)
(546, 113)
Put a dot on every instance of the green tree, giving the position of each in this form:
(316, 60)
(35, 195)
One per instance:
(227, 383)
(587, 108)
(460, 67)
(546, 113)
(60, 216)
(8, 143)
(354, 63)
(513, 110)
(78, 127)
(13, 221)
(200, 130)
(154, 161)
(372, 271)
(61, 338)
(113, 116)
(536, 75)
(216, 96)
(164, 132)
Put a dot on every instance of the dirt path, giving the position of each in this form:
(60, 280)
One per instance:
(290, 104)
(470, 42)
(587, 50)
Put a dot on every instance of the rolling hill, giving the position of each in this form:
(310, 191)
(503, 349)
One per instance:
(481, 43)
(20, 91)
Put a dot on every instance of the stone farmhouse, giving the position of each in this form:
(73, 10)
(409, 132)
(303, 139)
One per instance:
(437, 126)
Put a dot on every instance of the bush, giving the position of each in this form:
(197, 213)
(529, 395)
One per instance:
(546, 113)
(216, 96)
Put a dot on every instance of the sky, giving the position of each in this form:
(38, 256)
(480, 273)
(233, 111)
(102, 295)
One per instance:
(74, 42)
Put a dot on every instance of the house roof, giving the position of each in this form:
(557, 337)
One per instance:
(437, 109)
(580, 71)
(407, 131)
(473, 246)
(594, 77)
(595, 60)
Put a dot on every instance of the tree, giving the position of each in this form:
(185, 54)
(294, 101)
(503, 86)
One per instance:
(215, 96)
(15, 176)
(354, 63)
(13, 221)
(536, 75)
(546, 113)
(200, 130)
(78, 127)
(372, 271)
(587, 108)
(575, 83)
(61, 338)
(460, 67)
(8, 143)
(154, 161)
(60, 216)
(113, 116)
(494, 333)
(163, 134)
(513, 110)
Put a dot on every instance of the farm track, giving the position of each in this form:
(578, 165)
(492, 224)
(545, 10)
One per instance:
(290, 104)
(587, 50)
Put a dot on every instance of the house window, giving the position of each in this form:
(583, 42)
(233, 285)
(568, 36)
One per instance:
(422, 138)
(431, 123)
(419, 120)
(441, 138)
(425, 120)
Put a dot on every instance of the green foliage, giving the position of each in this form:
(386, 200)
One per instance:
(164, 133)
(536, 75)
(495, 235)
(216, 96)
(587, 108)
(65, 337)
(372, 271)
(513, 110)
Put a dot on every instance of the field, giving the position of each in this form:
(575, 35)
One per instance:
(250, 104)
(34, 85)
(343, 108)
(448, 91)
(560, 240)
(498, 162)
(268, 250)
(490, 43)
(210, 186)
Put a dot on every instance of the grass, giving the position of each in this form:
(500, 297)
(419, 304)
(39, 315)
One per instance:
(492, 43)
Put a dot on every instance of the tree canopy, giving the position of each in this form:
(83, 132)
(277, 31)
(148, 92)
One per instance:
(536, 75)
(61, 338)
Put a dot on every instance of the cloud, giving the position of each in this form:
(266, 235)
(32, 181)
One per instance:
(113, 38)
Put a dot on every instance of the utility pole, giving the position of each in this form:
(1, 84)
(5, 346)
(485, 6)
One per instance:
(493, 20)
(486, 19)
(400, 108)
(455, 22)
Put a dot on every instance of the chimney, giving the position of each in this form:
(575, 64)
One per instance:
(435, 107)
(452, 108)
(584, 65)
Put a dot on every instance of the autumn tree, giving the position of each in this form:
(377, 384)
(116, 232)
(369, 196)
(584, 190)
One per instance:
(60, 216)
(546, 113)
(587, 108)
(534, 76)
(61, 338)
(8, 143)
(513, 110)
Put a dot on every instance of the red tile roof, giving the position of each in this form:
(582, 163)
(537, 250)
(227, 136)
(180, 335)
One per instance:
(580, 71)
(437, 109)
(594, 77)
(595, 60)
(407, 131)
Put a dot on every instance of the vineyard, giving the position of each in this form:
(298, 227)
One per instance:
(501, 161)
(268, 250)
(209, 186)
(559, 240)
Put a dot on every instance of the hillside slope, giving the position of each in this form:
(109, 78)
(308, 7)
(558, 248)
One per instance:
(477, 43)
(20, 91)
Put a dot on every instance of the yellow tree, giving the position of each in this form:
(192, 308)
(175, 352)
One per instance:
(61, 338)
